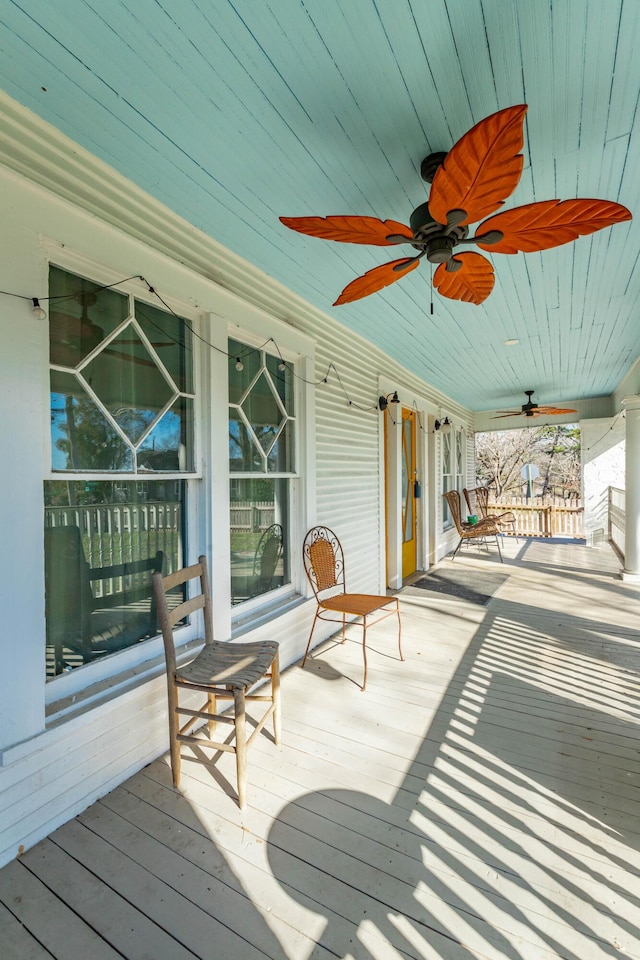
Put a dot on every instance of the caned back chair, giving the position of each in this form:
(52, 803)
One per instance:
(222, 671)
(468, 532)
(323, 559)
(478, 502)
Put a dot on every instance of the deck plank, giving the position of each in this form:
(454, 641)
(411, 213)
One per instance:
(16, 941)
(478, 802)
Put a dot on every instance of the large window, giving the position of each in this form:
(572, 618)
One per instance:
(453, 452)
(262, 469)
(122, 424)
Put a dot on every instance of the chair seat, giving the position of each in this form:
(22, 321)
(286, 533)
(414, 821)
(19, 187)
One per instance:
(357, 603)
(232, 665)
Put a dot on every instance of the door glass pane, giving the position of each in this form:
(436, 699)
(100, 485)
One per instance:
(259, 525)
(407, 517)
(103, 540)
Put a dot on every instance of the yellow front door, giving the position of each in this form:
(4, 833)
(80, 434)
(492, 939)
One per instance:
(409, 540)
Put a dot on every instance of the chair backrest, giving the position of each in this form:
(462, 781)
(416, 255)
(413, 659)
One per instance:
(172, 609)
(482, 499)
(453, 499)
(266, 557)
(323, 559)
(470, 497)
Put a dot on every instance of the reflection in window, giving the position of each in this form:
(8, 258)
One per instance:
(121, 403)
(103, 540)
(121, 381)
(261, 445)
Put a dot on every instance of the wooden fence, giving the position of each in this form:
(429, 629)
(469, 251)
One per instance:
(543, 516)
(251, 515)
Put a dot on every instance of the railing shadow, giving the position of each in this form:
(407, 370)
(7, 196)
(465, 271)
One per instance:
(504, 838)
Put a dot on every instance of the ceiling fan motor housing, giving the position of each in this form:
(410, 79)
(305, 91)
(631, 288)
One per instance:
(439, 240)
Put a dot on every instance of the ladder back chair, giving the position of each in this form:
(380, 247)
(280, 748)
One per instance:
(478, 502)
(221, 670)
(469, 532)
(323, 559)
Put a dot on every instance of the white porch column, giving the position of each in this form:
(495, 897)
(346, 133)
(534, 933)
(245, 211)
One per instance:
(632, 493)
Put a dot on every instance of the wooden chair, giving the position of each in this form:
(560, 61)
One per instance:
(323, 559)
(478, 502)
(468, 532)
(222, 671)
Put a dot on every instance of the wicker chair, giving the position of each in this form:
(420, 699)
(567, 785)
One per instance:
(222, 671)
(478, 502)
(323, 559)
(477, 532)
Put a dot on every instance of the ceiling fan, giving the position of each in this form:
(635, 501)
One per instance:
(468, 183)
(531, 409)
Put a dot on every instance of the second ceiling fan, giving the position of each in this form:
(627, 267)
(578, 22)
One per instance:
(531, 409)
(468, 183)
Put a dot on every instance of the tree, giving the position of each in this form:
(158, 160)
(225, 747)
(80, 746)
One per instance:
(554, 449)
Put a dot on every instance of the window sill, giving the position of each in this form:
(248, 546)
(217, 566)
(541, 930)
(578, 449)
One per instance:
(251, 620)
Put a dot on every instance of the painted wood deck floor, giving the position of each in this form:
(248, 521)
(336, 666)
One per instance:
(480, 800)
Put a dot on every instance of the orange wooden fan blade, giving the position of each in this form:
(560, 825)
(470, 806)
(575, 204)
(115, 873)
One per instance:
(481, 169)
(349, 229)
(539, 226)
(473, 282)
(376, 279)
(552, 411)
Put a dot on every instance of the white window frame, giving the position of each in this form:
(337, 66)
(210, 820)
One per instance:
(108, 672)
(297, 350)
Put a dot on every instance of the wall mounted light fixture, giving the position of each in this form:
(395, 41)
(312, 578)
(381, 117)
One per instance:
(383, 402)
(442, 424)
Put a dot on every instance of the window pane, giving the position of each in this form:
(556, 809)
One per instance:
(240, 380)
(81, 436)
(283, 382)
(280, 456)
(259, 537)
(102, 542)
(169, 446)
(245, 455)
(81, 315)
(129, 384)
(171, 338)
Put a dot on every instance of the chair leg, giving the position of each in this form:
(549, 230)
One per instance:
(174, 743)
(313, 626)
(241, 746)
(213, 708)
(499, 550)
(456, 549)
(364, 653)
(344, 628)
(399, 630)
(275, 696)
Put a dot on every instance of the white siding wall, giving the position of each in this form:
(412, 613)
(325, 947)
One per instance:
(603, 464)
(62, 745)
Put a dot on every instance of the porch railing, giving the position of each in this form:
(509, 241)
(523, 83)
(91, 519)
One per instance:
(617, 518)
(543, 516)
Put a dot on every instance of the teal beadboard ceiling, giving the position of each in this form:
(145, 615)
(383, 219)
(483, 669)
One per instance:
(236, 112)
